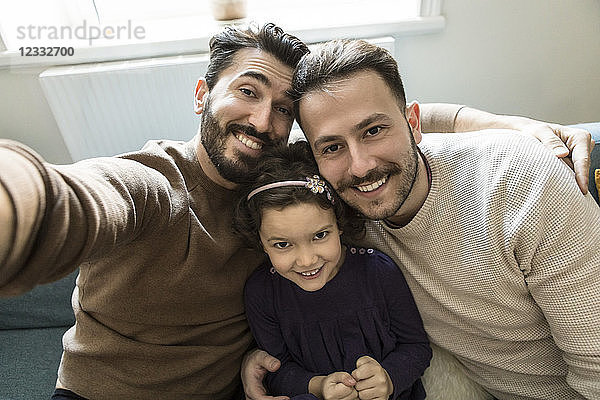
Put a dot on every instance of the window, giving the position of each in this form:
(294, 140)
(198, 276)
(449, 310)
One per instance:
(348, 11)
(117, 29)
(29, 22)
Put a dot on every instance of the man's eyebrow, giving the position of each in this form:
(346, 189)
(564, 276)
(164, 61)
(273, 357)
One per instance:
(375, 117)
(256, 75)
(263, 79)
(326, 139)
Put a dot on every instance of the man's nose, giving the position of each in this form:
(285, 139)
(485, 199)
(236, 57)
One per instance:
(261, 118)
(361, 163)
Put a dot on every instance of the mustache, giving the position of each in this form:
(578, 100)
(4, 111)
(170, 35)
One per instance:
(372, 176)
(250, 131)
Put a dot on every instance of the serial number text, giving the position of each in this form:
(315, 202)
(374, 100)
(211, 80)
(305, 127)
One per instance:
(46, 51)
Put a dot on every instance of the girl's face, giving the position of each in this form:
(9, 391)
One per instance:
(303, 243)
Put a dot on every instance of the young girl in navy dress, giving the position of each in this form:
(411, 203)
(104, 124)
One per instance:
(341, 319)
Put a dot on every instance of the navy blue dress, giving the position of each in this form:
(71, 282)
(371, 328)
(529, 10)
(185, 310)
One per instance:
(366, 309)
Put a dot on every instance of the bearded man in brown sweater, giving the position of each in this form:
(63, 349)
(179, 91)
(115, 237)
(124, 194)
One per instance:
(158, 300)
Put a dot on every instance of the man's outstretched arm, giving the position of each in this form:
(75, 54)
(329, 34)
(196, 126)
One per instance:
(55, 217)
(22, 204)
(7, 221)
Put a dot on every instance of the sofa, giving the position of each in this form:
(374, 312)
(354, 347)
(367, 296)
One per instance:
(32, 325)
(31, 328)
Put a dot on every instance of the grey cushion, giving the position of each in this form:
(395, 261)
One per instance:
(29, 361)
(46, 306)
(31, 329)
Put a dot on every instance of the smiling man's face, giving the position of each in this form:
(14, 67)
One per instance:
(248, 110)
(362, 143)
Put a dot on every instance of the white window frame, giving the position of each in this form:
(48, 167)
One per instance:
(429, 21)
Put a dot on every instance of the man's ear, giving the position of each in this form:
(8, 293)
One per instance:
(200, 95)
(413, 116)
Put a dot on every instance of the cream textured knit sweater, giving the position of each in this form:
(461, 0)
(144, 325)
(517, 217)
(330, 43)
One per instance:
(503, 260)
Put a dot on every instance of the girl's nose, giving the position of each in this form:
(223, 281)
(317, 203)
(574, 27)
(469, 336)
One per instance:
(306, 259)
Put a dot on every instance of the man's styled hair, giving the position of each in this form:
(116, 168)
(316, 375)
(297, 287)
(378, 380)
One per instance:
(333, 61)
(270, 38)
(288, 163)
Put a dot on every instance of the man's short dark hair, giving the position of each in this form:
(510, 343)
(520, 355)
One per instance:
(336, 60)
(270, 38)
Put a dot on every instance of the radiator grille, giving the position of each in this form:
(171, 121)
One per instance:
(110, 108)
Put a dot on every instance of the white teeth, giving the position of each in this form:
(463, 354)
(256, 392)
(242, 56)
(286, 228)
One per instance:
(372, 186)
(310, 273)
(248, 142)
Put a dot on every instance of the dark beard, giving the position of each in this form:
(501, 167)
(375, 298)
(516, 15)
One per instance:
(213, 138)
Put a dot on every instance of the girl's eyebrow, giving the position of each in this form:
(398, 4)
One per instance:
(328, 226)
(323, 228)
(284, 239)
(278, 239)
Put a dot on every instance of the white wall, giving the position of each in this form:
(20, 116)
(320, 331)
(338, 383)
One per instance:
(539, 58)
(529, 57)
(25, 115)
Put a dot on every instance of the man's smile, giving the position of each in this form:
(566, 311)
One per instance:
(372, 186)
(249, 141)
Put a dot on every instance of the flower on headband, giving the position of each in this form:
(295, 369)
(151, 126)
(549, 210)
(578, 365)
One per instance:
(315, 184)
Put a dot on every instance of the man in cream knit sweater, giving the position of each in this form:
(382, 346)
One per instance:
(486, 226)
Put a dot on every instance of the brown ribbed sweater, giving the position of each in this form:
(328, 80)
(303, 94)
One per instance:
(158, 303)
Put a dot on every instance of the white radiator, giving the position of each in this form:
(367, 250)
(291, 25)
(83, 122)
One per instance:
(114, 107)
(110, 108)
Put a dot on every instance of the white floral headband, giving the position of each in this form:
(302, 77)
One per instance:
(315, 184)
